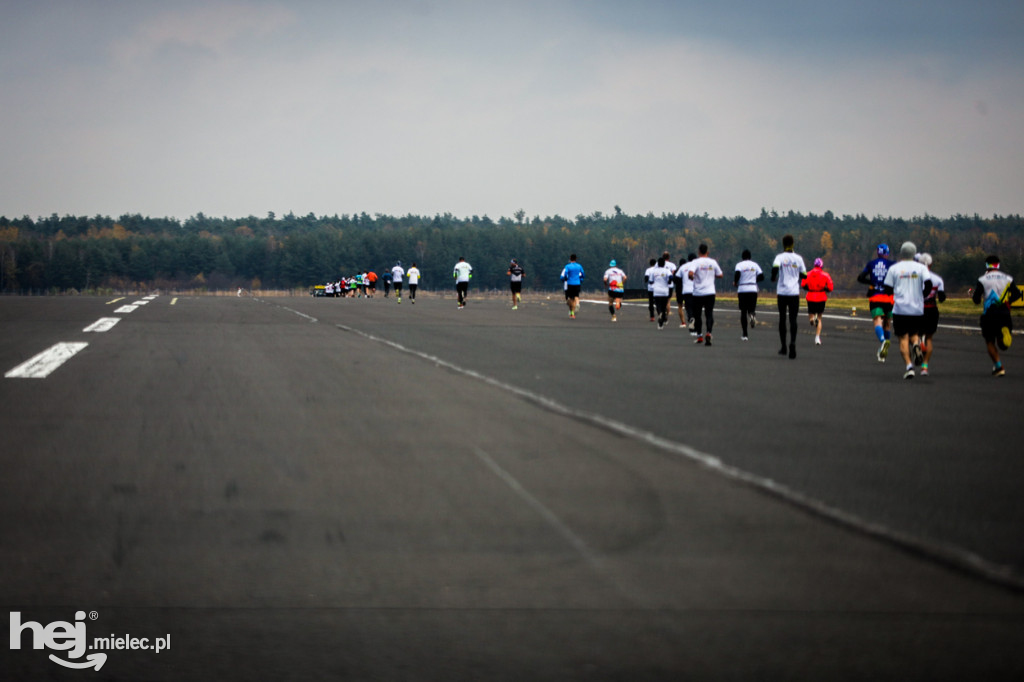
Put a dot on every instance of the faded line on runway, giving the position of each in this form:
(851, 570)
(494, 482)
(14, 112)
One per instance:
(104, 324)
(42, 365)
(593, 559)
(947, 554)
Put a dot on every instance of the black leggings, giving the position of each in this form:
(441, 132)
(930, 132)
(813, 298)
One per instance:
(748, 305)
(707, 305)
(790, 305)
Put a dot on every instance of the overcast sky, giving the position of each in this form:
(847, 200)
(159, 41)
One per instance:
(171, 108)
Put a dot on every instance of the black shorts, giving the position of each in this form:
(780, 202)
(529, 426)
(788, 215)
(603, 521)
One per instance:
(907, 325)
(815, 307)
(516, 287)
(573, 290)
(993, 321)
(615, 294)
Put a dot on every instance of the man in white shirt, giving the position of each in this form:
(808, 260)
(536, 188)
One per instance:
(397, 273)
(908, 281)
(462, 272)
(414, 282)
(615, 279)
(789, 271)
(703, 272)
(686, 293)
(747, 275)
(661, 287)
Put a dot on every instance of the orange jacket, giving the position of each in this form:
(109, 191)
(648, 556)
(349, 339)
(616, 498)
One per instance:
(818, 284)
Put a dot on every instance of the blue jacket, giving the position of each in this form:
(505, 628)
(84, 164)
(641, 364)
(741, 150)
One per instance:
(573, 274)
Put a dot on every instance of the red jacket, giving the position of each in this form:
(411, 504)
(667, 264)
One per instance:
(818, 284)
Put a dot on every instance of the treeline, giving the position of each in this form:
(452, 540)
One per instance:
(133, 252)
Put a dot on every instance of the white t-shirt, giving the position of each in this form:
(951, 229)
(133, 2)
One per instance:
(907, 277)
(705, 270)
(462, 270)
(615, 278)
(647, 276)
(749, 272)
(661, 280)
(414, 275)
(790, 266)
(683, 273)
(396, 274)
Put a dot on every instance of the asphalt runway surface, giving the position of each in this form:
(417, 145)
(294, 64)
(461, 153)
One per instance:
(298, 488)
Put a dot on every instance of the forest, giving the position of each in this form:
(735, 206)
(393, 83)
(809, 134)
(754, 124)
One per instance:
(59, 255)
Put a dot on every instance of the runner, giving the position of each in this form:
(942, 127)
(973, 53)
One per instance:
(819, 285)
(671, 266)
(931, 310)
(386, 278)
(397, 273)
(661, 287)
(414, 282)
(789, 271)
(745, 279)
(515, 282)
(998, 292)
(650, 287)
(371, 282)
(572, 275)
(462, 273)
(907, 281)
(703, 271)
(683, 273)
(615, 279)
(879, 302)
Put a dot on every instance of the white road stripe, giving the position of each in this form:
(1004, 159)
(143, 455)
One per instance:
(126, 309)
(40, 366)
(103, 324)
(946, 553)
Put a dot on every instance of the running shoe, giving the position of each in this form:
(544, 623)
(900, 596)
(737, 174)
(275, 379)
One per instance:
(792, 351)
(515, 307)
(782, 351)
(817, 340)
(998, 371)
(924, 371)
(917, 354)
(753, 320)
(743, 338)
(614, 318)
(661, 325)
(700, 340)
(707, 340)
(909, 374)
(1005, 338)
(883, 350)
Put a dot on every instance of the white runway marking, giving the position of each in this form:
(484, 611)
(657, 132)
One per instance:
(952, 555)
(40, 366)
(126, 309)
(103, 324)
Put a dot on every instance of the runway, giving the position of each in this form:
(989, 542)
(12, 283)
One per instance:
(355, 489)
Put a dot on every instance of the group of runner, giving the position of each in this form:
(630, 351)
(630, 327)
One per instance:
(362, 285)
(903, 296)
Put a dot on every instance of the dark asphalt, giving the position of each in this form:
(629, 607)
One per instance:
(351, 489)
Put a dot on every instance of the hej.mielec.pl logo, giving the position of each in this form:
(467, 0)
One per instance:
(71, 638)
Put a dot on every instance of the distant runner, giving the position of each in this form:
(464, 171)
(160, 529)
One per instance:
(615, 279)
(515, 282)
(819, 285)
(462, 273)
(879, 302)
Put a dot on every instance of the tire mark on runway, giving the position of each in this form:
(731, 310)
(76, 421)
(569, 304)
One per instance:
(946, 554)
